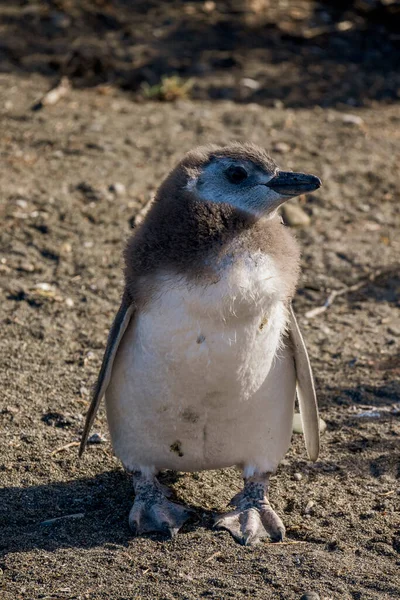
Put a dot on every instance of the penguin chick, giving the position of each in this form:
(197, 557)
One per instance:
(204, 356)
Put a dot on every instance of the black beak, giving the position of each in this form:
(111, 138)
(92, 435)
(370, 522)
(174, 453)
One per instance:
(290, 184)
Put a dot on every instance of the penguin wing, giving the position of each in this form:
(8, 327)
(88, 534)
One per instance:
(118, 328)
(305, 389)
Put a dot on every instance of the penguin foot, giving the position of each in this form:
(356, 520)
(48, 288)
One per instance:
(152, 512)
(253, 518)
(250, 525)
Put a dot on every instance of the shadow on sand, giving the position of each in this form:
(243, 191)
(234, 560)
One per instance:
(330, 54)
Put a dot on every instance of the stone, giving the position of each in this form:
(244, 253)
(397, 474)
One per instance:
(298, 425)
(294, 216)
(352, 119)
(252, 84)
(97, 438)
(281, 147)
(309, 507)
(392, 330)
(118, 189)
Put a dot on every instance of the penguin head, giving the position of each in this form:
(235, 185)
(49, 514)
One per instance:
(243, 176)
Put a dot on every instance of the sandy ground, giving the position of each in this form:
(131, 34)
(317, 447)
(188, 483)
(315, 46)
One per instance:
(62, 233)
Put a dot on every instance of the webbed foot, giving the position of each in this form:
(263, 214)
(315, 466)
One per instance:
(152, 512)
(253, 518)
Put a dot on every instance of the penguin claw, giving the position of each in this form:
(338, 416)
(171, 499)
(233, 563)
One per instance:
(273, 524)
(250, 525)
(162, 516)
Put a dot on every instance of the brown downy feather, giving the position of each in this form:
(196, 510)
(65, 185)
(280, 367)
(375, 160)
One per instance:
(187, 236)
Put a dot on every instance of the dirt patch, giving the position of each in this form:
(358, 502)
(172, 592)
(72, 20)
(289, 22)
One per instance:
(64, 223)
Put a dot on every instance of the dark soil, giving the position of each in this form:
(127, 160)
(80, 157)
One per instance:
(299, 52)
(64, 223)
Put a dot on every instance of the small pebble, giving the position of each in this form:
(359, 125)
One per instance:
(310, 596)
(344, 25)
(369, 414)
(281, 147)
(298, 476)
(46, 290)
(209, 6)
(118, 189)
(60, 19)
(27, 267)
(309, 506)
(44, 287)
(394, 331)
(66, 247)
(352, 119)
(69, 302)
(252, 84)
(298, 425)
(294, 215)
(97, 438)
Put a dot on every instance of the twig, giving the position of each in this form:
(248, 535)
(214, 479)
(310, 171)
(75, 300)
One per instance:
(57, 450)
(387, 493)
(313, 32)
(54, 95)
(212, 556)
(139, 217)
(345, 290)
(286, 543)
(73, 516)
(297, 527)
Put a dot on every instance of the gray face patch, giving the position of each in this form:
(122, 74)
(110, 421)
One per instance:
(242, 184)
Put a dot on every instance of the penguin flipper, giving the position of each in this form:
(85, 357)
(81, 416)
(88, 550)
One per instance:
(118, 328)
(305, 389)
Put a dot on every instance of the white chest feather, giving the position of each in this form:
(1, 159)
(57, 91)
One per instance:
(196, 358)
(225, 334)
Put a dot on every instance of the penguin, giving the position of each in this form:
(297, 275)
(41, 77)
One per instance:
(204, 356)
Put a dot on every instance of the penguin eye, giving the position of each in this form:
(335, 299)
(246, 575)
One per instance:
(236, 174)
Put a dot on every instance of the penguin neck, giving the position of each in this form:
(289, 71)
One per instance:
(187, 236)
(194, 238)
(207, 225)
